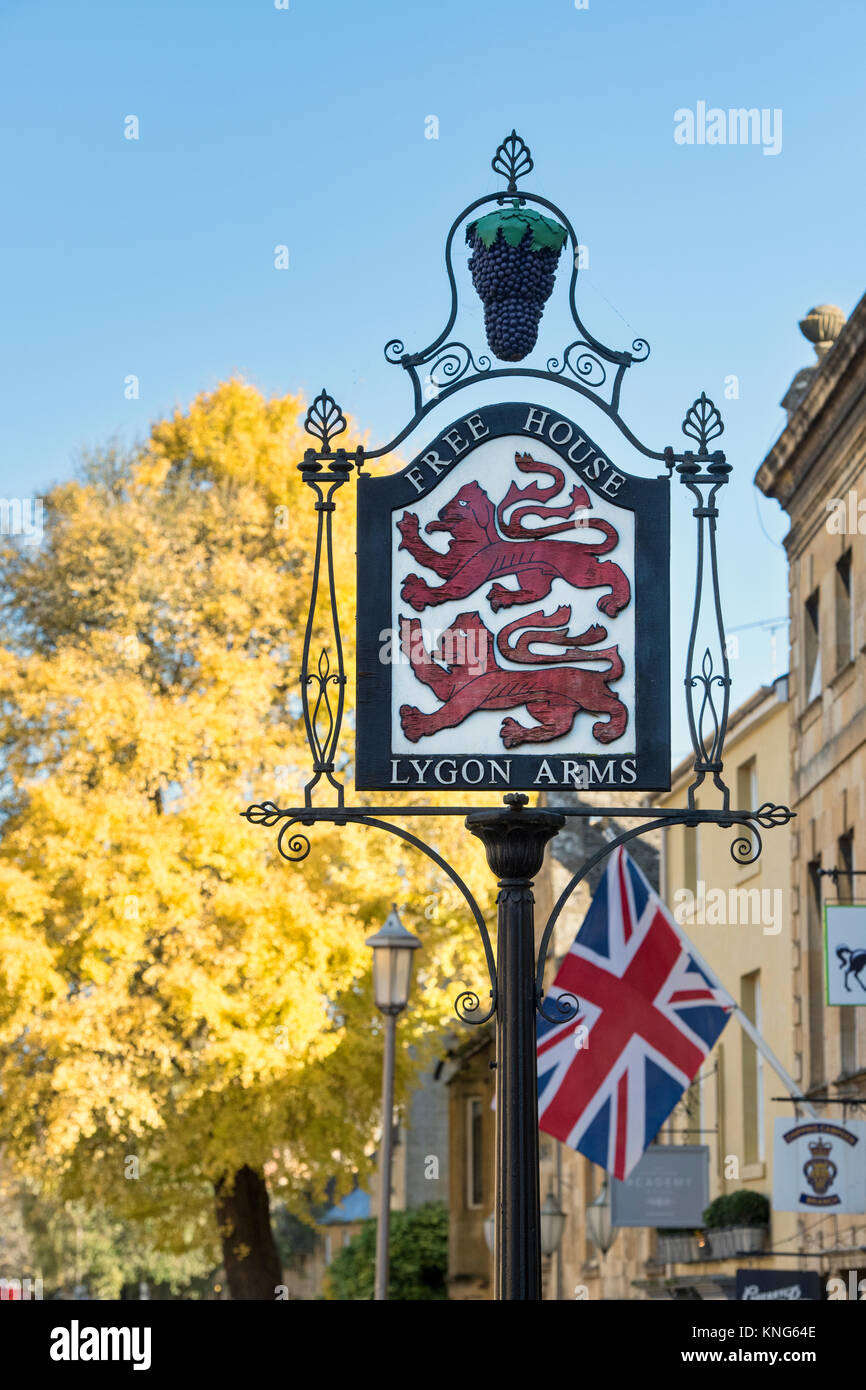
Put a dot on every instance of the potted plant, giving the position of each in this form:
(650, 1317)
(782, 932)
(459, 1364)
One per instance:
(738, 1223)
(749, 1218)
(676, 1246)
(716, 1222)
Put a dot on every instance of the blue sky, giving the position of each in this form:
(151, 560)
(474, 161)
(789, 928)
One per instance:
(306, 127)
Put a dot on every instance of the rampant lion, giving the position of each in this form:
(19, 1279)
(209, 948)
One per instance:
(477, 552)
(553, 695)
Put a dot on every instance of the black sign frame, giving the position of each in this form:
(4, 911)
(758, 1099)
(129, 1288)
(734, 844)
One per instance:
(377, 766)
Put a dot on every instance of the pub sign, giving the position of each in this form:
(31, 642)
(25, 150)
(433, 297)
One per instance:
(513, 613)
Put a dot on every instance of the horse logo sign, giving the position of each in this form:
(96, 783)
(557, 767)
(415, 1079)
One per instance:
(503, 579)
(845, 952)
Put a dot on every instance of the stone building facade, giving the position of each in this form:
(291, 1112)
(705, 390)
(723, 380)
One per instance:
(800, 741)
(816, 471)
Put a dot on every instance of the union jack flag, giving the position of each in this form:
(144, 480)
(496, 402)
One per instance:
(649, 1016)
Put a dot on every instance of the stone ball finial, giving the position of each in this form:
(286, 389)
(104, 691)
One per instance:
(822, 326)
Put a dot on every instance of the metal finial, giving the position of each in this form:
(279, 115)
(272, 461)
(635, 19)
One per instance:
(513, 160)
(703, 422)
(324, 419)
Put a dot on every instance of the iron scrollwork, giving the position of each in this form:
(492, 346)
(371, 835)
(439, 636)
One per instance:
(513, 161)
(697, 471)
(323, 715)
(586, 365)
(467, 1005)
(744, 850)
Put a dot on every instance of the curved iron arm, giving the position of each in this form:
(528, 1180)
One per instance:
(299, 848)
(744, 850)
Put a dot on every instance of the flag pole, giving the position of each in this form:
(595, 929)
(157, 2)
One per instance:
(751, 1032)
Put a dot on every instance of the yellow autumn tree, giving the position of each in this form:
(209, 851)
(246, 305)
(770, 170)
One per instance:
(180, 1010)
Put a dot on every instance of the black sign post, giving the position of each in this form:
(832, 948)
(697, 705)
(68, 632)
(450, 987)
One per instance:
(513, 633)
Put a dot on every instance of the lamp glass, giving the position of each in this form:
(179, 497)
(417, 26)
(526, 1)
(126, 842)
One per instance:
(490, 1231)
(552, 1224)
(601, 1232)
(392, 964)
(392, 970)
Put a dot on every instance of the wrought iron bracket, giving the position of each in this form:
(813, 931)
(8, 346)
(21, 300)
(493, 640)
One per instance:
(744, 850)
(585, 365)
(294, 846)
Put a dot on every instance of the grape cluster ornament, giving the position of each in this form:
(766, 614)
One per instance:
(513, 263)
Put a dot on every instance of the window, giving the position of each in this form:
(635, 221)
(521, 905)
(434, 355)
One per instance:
(753, 1072)
(815, 967)
(844, 613)
(474, 1153)
(691, 858)
(812, 649)
(747, 789)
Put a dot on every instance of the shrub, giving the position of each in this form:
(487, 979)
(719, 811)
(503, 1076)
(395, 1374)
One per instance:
(418, 1264)
(742, 1208)
(749, 1208)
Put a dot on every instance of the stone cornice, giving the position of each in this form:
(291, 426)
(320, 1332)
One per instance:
(818, 415)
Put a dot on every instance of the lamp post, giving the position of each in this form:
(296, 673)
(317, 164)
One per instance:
(392, 969)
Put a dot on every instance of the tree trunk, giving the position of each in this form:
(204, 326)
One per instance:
(250, 1256)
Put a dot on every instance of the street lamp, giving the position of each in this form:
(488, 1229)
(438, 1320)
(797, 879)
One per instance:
(598, 1224)
(392, 969)
(552, 1224)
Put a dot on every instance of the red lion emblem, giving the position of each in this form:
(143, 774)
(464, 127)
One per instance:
(476, 682)
(478, 552)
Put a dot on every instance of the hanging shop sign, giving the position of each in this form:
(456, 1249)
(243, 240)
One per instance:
(668, 1188)
(513, 613)
(778, 1285)
(845, 952)
(819, 1165)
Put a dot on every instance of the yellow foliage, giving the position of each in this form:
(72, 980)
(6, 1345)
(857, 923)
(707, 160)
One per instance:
(168, 986)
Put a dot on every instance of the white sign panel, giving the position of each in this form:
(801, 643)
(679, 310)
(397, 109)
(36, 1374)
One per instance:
(561, 608)
(819, 1165)
(845, 952)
